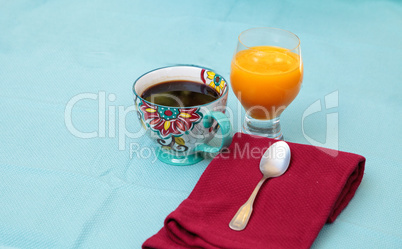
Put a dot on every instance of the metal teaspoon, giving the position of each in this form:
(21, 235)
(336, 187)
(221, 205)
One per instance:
(274, 163)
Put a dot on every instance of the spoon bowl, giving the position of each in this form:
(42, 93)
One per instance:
(275, 160)
(274, 163)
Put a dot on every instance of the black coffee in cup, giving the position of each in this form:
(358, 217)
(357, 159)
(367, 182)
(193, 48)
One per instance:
(180, 94)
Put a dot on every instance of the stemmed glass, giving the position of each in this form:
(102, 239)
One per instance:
(266, 76)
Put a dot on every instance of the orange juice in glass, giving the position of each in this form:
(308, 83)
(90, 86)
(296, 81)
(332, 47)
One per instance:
(266, 75)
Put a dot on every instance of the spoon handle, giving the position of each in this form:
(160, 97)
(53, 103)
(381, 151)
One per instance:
(240, 220)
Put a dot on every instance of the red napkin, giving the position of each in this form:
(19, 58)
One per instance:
(289, 210)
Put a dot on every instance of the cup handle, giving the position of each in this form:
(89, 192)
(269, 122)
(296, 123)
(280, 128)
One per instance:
(226, 130)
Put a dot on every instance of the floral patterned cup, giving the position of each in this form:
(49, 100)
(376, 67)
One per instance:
(181, 134)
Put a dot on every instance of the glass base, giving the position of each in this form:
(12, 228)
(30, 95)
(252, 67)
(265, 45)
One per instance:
(266, 128)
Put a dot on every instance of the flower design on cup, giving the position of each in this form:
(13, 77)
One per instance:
(168, 121)
(173, 143)
(139, 115)
(216, 81)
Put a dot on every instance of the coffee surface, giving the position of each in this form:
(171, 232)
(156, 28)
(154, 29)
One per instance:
(180, 94)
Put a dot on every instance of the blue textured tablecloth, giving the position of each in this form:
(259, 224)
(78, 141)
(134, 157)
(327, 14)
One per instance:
(84, 180)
